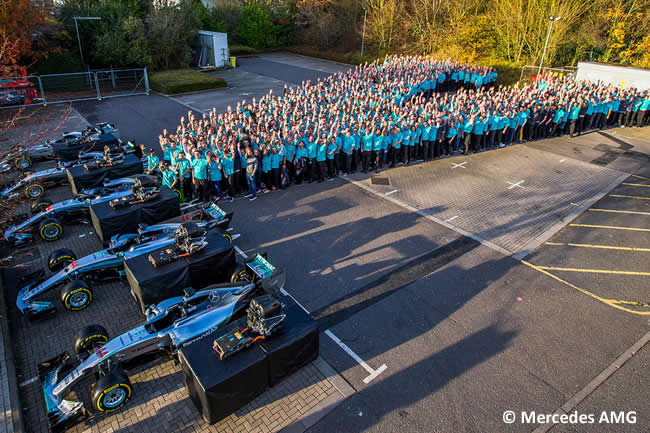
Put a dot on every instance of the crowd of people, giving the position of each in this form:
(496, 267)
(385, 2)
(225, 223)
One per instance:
(398, 111)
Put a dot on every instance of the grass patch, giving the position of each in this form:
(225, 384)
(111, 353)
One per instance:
(183, 80)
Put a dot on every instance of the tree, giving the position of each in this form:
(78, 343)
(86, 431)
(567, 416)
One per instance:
(384, 19)
(19, 22)
(169, 28)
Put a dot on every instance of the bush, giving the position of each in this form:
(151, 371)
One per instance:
(242, 50)
(256, 28)
(183, 80)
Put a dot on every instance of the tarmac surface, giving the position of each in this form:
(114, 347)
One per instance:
(432, 321)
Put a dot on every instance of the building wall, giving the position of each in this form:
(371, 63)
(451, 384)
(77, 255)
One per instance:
(617, 75)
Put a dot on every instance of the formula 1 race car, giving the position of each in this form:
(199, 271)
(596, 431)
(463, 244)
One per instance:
(170, 325)
(23, 158)
(108, 264)
(49, 223)
(76, 275)
(34, 184)
(89, 135)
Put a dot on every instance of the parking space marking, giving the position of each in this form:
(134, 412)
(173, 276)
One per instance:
(451, 219)
(605, 247)
(518, 184)
(372, 373)
(594, 271)
(635, 184)
(610, 227)
(641, 177)
(391, 192)
(618, 304)
(620, 211)
(629, 196)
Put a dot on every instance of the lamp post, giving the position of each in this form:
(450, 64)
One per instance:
(76, 25)
(552, 19)
(363, 38)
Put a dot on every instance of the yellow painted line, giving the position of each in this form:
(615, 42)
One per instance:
(620, 211)
(610, 227)
(635, 184)
(640, 177)
(629, 196)
(594, 271)
(605, 247)
(611, 302)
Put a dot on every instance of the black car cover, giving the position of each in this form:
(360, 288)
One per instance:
(213, 264)
(70, 152)
(79, 178)
(108, 221)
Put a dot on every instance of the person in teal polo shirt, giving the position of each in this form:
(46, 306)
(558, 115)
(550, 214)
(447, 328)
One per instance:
(184, 173)
(347, 148)
(276, 160)
(215, 175)
(367, 140)
(228, 164)
(200, 176)
(169, 178)
(321, 159)
(332, 151)
(152, 162)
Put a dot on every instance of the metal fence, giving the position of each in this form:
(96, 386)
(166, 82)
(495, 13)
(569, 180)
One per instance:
(529, 72)
(80, 86)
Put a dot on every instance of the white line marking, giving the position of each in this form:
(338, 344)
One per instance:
(285, 293)
(229, 229)
(372, 372)
(346, 349)
(28, 382)
(562, 160)
(90, 233)
(82, 235)
(451, 219)
(235, 236)
(390, 192)
(574, 204)
(461, 165)
(518, 184)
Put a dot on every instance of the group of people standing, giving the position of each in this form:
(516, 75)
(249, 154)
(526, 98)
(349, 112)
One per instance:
(403, 109)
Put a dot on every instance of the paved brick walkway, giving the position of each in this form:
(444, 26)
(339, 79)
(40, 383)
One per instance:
(507, 196)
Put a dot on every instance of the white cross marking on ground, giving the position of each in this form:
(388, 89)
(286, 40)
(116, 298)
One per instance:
(518, 184)
(461, 165)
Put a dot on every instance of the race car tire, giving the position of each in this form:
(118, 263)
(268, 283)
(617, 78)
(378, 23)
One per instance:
(23, 163)
(240, 275)
(34, 191)
(40, 205)
(76, 295)
(112, 391)
(60, 258)
(228, 237)
(90, 338)
(50, 229)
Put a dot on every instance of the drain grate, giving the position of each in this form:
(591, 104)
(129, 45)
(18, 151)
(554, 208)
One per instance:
(379, 180)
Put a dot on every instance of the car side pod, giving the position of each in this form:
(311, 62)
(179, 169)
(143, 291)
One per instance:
(61, 414)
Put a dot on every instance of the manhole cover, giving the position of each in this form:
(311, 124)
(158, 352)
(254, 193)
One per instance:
(379, 180)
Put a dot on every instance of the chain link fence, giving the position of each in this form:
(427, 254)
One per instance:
(80, 86)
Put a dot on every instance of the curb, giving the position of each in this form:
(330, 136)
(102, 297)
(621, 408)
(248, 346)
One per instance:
(9, 387)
